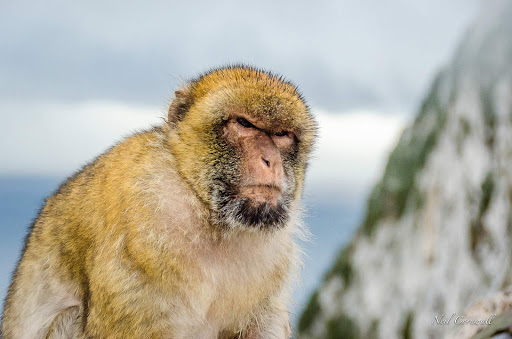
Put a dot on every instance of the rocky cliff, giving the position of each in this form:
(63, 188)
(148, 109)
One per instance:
(437, 234)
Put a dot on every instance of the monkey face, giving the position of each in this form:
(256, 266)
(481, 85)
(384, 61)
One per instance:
(242, 140)
(259, 197)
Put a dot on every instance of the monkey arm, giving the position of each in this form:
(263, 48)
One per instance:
(273, 324)
(31, 312)
(67, 324)
(130, 294)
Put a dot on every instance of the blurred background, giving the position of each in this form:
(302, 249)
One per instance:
(75, 77)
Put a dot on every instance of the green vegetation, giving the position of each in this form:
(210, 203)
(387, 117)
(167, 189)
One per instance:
(408, 326)
(465, 131)
(489, 116)
(343, 267)
(373, 332)
(465, 127)
(342, 327)
(374, 210)
(487, 191)
(389, 197)
(309, 314)
(477, 231)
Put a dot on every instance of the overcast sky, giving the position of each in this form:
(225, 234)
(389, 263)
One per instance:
(77, 75)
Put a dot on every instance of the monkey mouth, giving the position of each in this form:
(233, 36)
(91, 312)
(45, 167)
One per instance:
(253, 207)
(245, 213)
(261, 194)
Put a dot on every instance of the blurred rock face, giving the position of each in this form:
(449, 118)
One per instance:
(437, 234)
(499, 306)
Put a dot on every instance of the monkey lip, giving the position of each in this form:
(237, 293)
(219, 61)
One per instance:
(261, 193)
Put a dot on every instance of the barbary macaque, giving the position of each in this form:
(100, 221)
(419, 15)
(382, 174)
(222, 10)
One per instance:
(182, 231)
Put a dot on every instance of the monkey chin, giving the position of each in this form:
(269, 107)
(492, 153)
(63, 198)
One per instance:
(253, 213)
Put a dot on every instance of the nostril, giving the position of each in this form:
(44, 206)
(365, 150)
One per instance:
(266, 162)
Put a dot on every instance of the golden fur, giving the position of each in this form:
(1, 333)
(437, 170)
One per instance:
(126, 248)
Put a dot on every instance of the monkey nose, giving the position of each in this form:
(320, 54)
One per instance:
(266, 162)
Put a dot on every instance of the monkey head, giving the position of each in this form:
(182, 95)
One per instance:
(242, 138)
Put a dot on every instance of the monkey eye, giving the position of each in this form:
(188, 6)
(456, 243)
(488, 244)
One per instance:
(282, 133)
(244, 122)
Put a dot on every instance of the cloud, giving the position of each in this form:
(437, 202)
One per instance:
(344, 54)
(57, 139)
(351, 154)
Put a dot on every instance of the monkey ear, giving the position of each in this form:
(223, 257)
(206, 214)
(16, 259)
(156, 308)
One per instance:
(179, 106)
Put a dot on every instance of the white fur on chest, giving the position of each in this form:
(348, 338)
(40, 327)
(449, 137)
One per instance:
(240, 276)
